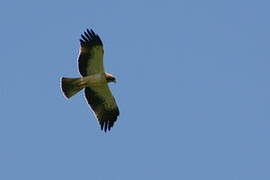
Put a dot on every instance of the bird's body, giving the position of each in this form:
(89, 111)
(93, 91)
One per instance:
(94, 81)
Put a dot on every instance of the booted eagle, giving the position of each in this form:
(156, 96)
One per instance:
(94, 81)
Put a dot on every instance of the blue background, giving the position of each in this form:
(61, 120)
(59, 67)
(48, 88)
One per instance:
(193, 90)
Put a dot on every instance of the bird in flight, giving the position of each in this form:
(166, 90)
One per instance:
(94, 81)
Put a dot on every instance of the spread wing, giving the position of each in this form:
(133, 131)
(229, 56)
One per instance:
(103, 105)
(99, 97)
(91, 54)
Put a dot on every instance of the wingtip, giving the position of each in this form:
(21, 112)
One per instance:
(90, 37)
(92, 32)
(106, 125)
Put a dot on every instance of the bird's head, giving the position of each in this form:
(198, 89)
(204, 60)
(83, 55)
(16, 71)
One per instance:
(110, 78)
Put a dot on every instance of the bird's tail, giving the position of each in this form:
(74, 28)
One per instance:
(70, 86)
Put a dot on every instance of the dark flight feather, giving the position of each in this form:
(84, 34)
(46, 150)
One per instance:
(90, 39)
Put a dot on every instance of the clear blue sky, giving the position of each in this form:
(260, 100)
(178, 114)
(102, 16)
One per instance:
(193, 90)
